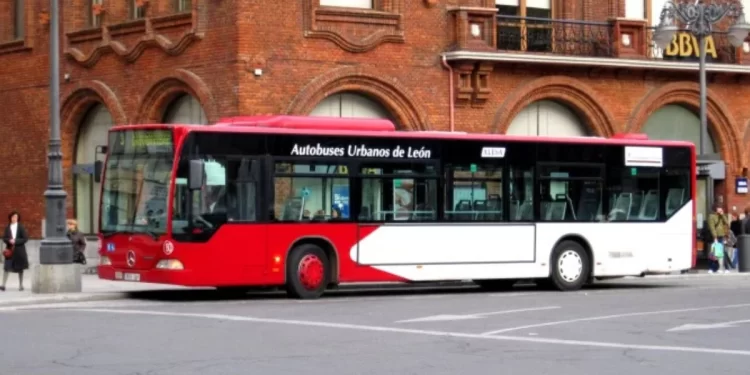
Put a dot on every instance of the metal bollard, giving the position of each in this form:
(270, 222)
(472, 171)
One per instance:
(743, 253)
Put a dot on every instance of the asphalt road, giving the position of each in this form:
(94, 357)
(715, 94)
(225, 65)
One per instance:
(645, 326)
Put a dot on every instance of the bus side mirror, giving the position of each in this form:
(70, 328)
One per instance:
(196, 175)
(98, 165)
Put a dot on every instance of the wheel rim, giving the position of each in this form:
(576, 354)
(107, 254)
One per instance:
(310, 272)
(570, 266)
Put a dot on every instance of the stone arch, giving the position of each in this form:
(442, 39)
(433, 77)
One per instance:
(169, 88)
(76, 104)
(75, 111)
(575, 94)
(391, 94)
(720, 121)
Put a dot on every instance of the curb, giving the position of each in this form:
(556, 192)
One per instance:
(56, 299)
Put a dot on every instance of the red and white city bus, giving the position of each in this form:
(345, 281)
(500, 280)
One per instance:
(309, 203)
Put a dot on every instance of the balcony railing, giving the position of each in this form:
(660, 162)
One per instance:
(561, 37)
(597, 39)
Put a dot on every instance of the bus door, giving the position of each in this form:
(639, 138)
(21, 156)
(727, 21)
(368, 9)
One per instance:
(227, 207)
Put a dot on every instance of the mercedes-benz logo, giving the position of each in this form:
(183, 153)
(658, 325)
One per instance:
(131, 258)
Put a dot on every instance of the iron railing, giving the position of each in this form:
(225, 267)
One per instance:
(561, 37)
(595, 39)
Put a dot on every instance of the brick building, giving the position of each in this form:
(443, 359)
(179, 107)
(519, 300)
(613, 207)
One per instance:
(547, 67)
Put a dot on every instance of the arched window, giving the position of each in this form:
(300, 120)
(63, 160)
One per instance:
(185, 109)
(547, 118)
(92, 134)
(350, 104)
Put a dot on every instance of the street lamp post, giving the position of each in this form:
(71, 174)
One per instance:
(57, 273)
(700, 18)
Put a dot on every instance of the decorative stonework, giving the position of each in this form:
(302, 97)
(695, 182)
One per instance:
(472, 86)
(87, 46)
(473, 28)
(166, 89)
(720, 119)
(353, 29)
(578, 95)
(629, 38)
(389, 92)
(81, 96)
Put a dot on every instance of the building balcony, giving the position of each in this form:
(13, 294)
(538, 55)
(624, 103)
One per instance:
(483, 36)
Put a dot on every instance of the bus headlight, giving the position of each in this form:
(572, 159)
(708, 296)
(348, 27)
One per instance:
(169, 264)
(104, 261)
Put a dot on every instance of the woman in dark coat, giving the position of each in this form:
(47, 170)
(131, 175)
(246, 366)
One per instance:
(15, 238)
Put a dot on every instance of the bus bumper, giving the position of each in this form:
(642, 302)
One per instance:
(155, 276)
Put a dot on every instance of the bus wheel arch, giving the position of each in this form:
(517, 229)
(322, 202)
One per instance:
(330, 251)
(573, 245)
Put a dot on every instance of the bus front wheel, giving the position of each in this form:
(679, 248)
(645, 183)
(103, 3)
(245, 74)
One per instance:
(570, 266)
(307, 272)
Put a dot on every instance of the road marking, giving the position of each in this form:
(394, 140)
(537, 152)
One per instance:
(616, 316)
(696, 327)
(357, 327)
(448, 317)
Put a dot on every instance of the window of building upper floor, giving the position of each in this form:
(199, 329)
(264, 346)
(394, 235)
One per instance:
(365, 4)
(12, 25)
(524, 8)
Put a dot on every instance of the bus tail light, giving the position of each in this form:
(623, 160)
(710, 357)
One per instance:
(170, 264)
(104, 261)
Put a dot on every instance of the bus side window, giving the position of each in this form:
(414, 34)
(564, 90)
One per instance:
(474, 193)
(311, 192)
(390, 198)
(635, 192)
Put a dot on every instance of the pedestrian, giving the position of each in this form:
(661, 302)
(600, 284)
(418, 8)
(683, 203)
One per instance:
(718, 225)
(16, 258)
(78, 240)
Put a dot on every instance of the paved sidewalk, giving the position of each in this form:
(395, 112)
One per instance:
(93, 288)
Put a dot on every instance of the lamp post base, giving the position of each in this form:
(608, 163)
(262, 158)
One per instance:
(56, 278)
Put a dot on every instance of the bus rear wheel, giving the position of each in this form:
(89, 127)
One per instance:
(307, 272)
(570, 266)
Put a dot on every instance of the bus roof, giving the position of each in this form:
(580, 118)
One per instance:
(366, 127)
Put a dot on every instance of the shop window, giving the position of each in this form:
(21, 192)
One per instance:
(311, 192)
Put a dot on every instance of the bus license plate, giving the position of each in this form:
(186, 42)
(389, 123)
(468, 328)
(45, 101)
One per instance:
(132, 277)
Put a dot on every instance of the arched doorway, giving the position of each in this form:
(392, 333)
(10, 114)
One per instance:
(351, 104)
(547, 118)
(185, 109)
(675, 122)
(92, 135)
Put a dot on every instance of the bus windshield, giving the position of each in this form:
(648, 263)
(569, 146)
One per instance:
(136, 184)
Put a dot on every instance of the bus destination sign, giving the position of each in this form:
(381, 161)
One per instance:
(361, 151)
(140, 141)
